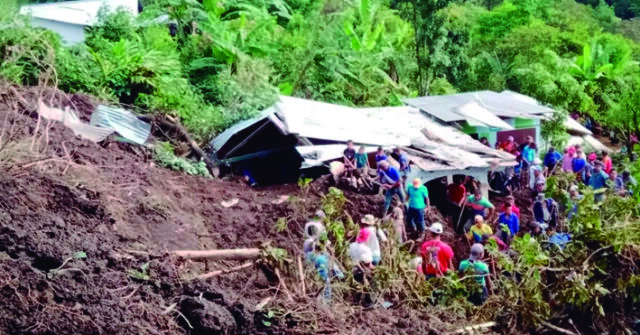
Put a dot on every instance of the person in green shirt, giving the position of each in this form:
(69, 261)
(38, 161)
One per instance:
(418, 200)
(362, 160)
(474, 266)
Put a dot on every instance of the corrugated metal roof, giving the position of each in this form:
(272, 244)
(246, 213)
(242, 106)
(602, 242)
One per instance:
(314, 155)
(479, 116)
(575, 126)
(83, 13)
(588, 141)
(121, 121)
(385, 126)
(506, 104)
(221, 139)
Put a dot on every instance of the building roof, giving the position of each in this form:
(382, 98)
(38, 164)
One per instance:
(574, 126)
(84, 13)
(506, 104)
(404, 126)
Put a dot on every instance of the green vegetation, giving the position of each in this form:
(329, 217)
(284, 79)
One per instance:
(164, 155)
(230, 58)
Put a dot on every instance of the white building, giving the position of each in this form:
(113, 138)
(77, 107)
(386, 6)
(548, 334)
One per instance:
(70, 18)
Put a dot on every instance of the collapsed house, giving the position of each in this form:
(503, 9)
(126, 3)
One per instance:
(496, 116)
(297, 137)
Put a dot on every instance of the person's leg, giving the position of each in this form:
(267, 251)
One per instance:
(419, 217)
(411, 219)
(388, 195)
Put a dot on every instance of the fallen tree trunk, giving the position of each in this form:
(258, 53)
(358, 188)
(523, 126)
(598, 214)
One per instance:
(222, 254)
(225, 271)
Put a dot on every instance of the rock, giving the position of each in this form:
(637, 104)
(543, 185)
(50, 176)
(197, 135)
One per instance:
(206, 317)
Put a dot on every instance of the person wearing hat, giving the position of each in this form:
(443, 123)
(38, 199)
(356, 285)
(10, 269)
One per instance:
(312, 230)
(479, 270)
(540, 212)
(539, 181)
(478, 229)
(391, 182)
(371, 236)
(362, 259)
(436, 255)
(418, 205)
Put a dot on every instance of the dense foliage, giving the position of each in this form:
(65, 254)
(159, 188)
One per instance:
(227, 59)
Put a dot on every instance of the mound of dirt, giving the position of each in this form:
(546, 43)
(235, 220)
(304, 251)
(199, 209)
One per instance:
(86, 230)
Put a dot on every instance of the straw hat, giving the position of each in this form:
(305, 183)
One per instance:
(368, 220)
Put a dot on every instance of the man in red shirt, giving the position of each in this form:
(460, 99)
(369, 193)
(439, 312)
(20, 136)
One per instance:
(456, 192)
(436, 255)
(511, 200)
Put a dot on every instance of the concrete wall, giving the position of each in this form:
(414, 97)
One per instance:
(71, 33)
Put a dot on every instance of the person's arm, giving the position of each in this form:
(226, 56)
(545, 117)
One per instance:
(492, 209)
(426, 197)
(424, 263)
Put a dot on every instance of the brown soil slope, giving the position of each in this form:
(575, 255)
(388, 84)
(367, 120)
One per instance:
(85, 231)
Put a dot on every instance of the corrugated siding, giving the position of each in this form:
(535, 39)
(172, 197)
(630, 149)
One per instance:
(125, 123)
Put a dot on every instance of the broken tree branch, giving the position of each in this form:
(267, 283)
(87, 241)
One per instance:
(556, 328)
(301, 272)
(225, 271)
(474, 327)
(226, 254)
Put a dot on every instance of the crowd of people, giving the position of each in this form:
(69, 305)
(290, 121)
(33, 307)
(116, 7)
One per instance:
(407, 205)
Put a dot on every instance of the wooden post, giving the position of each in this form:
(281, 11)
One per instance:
(226, 254)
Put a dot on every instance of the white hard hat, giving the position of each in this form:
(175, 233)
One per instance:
(436, 228)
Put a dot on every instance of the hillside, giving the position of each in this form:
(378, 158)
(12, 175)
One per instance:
(87, 232)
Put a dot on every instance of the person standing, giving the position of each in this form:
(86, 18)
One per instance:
(371, 236)
(397, 219)
(567, 159)
(349, 156)
(598, 181)
(475, 267)
(511, 200)
(456, 191)
(391, 183)
(617, 184)
(528, 150)
(508, 224)
(551, 159)
(362, 259)
(362, 160)
(381, 156)
(608, 163)
(479, 204)
(437, 256)
(579, 165)
(418, 205)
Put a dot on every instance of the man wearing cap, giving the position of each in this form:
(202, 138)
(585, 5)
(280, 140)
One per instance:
(371, 236)
(391, 183)
(539, 181)
(418, 200)
(479, 270)
(436, 255)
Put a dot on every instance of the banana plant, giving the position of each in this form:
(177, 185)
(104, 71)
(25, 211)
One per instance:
(365, 37)
(592, 65)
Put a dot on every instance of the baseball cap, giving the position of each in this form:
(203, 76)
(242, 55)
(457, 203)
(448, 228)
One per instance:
(436, 228)
(476, 251)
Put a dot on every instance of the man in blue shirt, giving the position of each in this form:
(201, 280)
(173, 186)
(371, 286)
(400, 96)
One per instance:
(391, 183)
(551, 159)
(508, 223)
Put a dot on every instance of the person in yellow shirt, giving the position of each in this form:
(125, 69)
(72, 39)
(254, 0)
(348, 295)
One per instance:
(478, 229)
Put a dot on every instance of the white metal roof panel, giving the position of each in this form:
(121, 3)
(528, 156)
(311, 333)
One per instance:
(83, 13)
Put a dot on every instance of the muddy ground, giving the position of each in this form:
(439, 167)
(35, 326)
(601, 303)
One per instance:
(86, 232)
